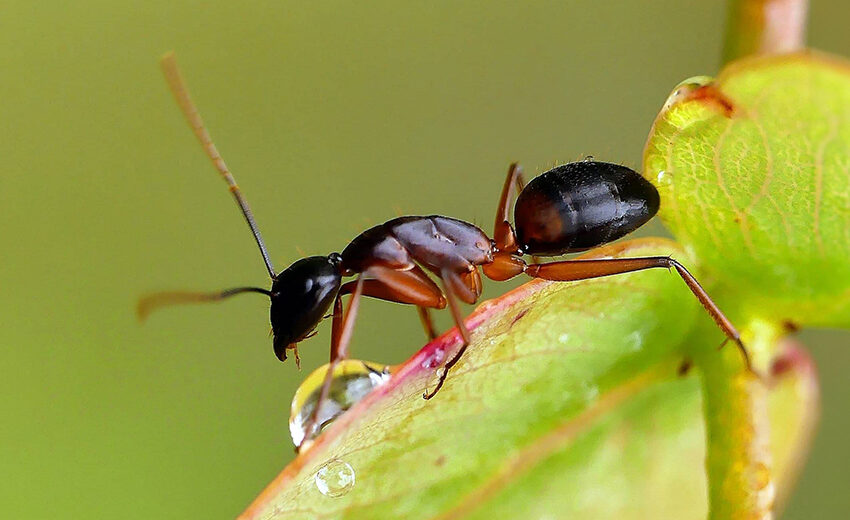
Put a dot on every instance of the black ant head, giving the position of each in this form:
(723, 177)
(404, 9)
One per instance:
(301, 296)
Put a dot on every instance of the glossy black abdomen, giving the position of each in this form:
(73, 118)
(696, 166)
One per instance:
(581, 205)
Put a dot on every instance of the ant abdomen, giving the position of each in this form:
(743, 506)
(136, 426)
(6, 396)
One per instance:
(581, 205)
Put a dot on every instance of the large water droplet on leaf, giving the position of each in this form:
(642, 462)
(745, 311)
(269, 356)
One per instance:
(335, 478)
(352, 381)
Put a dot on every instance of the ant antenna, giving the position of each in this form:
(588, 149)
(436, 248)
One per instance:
(190, 111)
(154, 301)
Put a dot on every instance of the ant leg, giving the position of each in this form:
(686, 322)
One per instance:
(569, 270)
(427, 323)
(340, 337)
(503, 233)
(412, 286)
(472, 282)
(451, 280)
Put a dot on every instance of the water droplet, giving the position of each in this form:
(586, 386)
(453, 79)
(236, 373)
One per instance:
(664, 180)
(434, 379)
(685, 89)
(563, 338)
(352, 381)
(635, 341)
(589, 392)
(335, 478)
(435, 359)
(589, 158)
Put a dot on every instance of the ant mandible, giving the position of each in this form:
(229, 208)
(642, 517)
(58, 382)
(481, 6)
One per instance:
(570, 208)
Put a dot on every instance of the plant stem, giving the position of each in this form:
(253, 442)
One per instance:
(764, 27)
(737, 451)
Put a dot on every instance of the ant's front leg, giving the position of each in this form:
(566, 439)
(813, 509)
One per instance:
(410, 287)
(340, 337)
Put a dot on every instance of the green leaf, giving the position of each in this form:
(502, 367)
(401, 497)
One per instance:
(754, 175)
(568, 403)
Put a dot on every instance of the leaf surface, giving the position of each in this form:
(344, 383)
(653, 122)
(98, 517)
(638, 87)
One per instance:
(754, 174)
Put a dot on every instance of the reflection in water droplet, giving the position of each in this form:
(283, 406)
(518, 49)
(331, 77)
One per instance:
(335, 478)
(588, 158)
(352, 381)
(663, 178)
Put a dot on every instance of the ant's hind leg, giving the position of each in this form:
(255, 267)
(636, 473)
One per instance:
(570, 270)
(503, 233)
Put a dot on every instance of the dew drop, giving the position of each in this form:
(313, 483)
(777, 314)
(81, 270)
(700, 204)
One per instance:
(352, 381)
(663, 178)
(589, 392)
(635, 341)
(589, 158)
(685, 89)
(435, 359)
(335, 478)
(434, 379)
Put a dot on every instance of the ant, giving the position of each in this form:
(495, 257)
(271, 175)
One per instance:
(570, 208)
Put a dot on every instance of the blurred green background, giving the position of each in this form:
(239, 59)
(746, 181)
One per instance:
(334, 116)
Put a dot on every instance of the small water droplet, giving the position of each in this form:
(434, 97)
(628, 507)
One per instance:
(685, 89)
(664, 178)
(589, 158)
(335, 478)
(563, 338)
(434, 379)
(435, 359)
(635, 341)
(589, 392)
(352, 381)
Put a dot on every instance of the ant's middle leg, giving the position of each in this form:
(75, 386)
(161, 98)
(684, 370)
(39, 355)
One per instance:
(412, 286)
(569, 270)
(427, 323)
(469, 292)
(452, 282)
